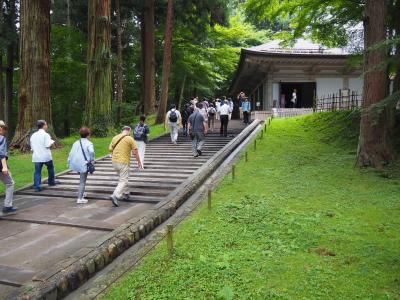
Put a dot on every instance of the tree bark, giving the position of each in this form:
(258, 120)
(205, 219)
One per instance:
(9, 87)
(1, 64)
(34, 87)
(149, 92)
(98, 93)
(166, 63)
(119, 62)
(1, 86)
(182, 89)
(375, 148)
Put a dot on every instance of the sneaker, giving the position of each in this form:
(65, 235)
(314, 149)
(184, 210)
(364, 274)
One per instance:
(82, 201)
(9, 209)
(196, 155)
(199, 152)
(56, 182)
(126, 197)
(114, 201)
(175, 143)
(38, 190)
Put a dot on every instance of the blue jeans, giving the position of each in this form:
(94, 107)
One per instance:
(37, 177)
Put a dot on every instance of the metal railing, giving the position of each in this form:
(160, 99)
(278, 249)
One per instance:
(340, 101)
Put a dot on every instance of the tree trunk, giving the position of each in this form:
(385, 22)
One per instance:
(119, 62)
(182, 89)
(374, 147)
(9, 96)
(98, 93)
(166, 63)
(1, 64)
(1, 85)
(149, 92)
(396, 13)
(34, 86)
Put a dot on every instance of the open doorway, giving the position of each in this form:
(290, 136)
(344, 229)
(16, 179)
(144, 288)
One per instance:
(305, 93)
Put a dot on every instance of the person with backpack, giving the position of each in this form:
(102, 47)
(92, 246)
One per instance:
(211, 117)
(186, 112)
(174, 121)
(41, 143)
(197, 130)
(121, 147)
(5, 174)
(81, 159)
(141, 137)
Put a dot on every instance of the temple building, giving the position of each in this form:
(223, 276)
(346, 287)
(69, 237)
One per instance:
(269, 74)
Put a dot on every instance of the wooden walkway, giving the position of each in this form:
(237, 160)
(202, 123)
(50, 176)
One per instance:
(50, 231)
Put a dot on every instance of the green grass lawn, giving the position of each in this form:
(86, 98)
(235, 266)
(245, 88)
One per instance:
(22, 168)
(299, 222)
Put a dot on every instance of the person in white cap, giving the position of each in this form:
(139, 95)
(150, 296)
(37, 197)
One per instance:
(5, 174)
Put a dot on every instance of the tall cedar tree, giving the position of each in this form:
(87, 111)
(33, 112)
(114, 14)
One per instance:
(374, 147)
(149, 61)
(11, 49)
(34, 86)
(98, 93)
(166, 62)
(119, 61)
(1, 64)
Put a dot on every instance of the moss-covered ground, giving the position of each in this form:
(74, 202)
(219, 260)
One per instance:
(299, 222)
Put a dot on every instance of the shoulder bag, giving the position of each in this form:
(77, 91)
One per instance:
(89, 164)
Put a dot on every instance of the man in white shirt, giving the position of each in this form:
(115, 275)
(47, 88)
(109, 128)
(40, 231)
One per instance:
(224, 112)
(174, 121)
(40, 145)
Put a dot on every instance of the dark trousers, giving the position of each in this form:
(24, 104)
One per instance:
(185, 127)
(224, 125)
(246, 117)
(37, 177)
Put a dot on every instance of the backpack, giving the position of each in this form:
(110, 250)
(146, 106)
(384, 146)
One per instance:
(139, 132)
(173, 116)
(211, 111)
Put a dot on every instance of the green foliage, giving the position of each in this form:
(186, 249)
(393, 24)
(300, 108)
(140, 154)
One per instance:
(210, 63)
(68, 78)
(299, 222)
(324, 21)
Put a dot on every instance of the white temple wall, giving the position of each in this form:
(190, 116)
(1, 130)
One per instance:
(356, 85)
(327, 86)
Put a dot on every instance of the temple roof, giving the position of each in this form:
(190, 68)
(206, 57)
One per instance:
(301, 46)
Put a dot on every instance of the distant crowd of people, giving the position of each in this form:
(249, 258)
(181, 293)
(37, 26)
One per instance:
(195, 120)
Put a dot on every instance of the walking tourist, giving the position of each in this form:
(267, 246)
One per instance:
(198, 130)
(217, 106)
(41, 143)
(231, 105)
(211, 117)
(186, 112)
(120, 148)
(5, 174)
(80, 159)
(241, 98)
(141, 137)
(173, 119)
(224, 111)
(246, 107)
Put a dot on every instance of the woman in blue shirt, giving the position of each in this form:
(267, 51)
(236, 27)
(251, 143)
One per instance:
(77, 162)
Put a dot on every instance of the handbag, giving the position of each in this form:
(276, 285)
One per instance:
(89, 164)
